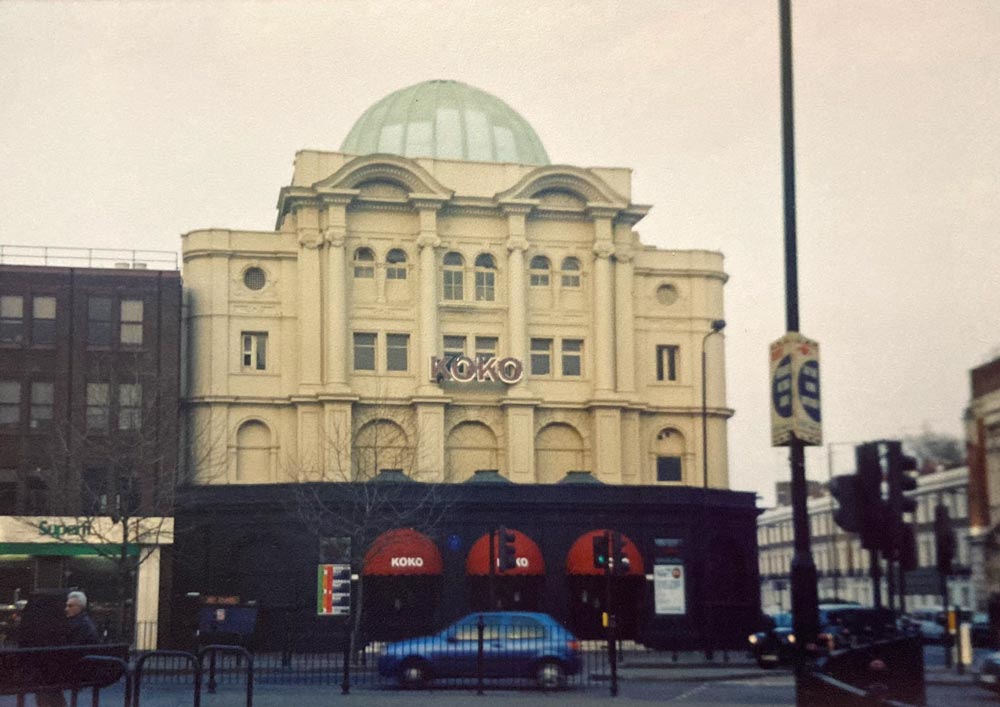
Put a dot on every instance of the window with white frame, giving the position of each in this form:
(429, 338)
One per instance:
(539, 271)
(396, 351)
(11, 319)
(454, 346)
(486, 347)
(98, 406)
(129, 406)
(131, 322)
(541, 357)
(364, 351)
(41, 405)
(572, 357)
(395, 264)
(43, 321)
(254, 353)
(364, 263)
(10, 403)
(486, 276)
(570, 272)
(452, 276)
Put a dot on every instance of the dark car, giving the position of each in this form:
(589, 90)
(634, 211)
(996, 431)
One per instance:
(515, 645)
(774, 645)
(989, 672)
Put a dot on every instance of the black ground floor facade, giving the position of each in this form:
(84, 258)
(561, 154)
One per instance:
(420, 556)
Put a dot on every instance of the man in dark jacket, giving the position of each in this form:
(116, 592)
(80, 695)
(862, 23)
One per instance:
(80, 631)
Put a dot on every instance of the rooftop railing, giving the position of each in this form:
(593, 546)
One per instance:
(68, 257)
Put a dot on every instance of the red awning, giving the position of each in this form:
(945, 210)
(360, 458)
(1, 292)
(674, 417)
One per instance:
(580, 559)
(403, 552)
(529, 557)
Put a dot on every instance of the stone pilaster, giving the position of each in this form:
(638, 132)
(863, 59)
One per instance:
(309, 322)
(429, 333)
(604, 303)
(336, 309)
(520, 442)
(430, 441)
(517, 286)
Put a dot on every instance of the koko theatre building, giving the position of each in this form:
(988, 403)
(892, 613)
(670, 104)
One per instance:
(441, 307)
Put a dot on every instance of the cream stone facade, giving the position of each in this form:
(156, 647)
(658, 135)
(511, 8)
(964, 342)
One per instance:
(310, 347)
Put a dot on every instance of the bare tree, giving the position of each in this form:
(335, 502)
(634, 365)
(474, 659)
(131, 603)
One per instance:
(113, 470)
(370, 480)
(935, 450)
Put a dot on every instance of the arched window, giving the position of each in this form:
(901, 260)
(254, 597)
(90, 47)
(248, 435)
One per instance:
(453, 264)
(486, 278)
(540, 267)
(364, 263)
(558, 449)
(571, 272)
(395, 268)
(668, 451)
(470, 446)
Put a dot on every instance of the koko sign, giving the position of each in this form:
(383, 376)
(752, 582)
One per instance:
(463, 369)
(406, 562)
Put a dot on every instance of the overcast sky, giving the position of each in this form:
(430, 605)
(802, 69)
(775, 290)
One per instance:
(127, 124)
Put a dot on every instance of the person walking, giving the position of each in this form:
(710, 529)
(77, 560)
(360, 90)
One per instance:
(80, 630)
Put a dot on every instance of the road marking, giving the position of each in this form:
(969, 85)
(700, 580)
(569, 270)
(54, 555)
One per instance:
(690, 693)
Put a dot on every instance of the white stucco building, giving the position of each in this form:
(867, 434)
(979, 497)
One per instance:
(439, 231)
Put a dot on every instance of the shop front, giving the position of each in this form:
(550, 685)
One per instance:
(518, 588)
(402, 584)
(40, 553)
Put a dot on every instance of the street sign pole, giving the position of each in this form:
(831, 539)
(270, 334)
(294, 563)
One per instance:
(805, 601)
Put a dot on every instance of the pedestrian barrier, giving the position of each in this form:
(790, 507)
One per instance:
(49, 669)
(189, 658)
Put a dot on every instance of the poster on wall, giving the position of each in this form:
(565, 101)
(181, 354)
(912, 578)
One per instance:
(669, 591)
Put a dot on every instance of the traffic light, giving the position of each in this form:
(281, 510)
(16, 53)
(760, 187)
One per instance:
(845, 490)
(899, 480)
(872, 510)
(600, 551)
(908, 560)
(944, 540)
(508, 553)
(619, 560)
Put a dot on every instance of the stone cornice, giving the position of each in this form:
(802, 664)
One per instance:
(659, 272)
(517, 206)
(633, 214)
(599, 211)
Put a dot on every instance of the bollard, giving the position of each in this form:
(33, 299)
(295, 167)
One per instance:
(480, 628)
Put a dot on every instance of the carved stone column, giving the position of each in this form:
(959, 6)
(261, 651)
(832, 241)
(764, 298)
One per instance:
(517, 286)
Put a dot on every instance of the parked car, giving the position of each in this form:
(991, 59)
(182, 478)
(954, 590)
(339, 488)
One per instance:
(840, 626)
(989, 672)
(774, 645)
(982, 636)
(515, 645)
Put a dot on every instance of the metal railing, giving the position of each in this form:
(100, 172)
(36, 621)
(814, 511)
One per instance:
(119, 258)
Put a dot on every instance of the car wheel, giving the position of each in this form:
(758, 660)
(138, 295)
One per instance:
(550, 675)
(413, 674)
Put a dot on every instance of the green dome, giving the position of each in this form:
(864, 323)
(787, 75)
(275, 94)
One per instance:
(447, 120)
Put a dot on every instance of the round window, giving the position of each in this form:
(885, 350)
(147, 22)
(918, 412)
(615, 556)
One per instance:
(666, 294)
(254, 278)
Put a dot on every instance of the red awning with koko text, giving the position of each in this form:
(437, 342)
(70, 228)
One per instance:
(528, 557)
(403, 552)
(580, 559)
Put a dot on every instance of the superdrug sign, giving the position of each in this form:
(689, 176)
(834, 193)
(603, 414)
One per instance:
(463, 369)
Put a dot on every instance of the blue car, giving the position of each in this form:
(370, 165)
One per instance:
(515, 645)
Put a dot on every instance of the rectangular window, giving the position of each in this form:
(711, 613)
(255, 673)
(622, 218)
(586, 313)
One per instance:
(454, 346)
(541, 357)
(668, 468)
(10, 403)
(129, 406)
(486, 347)
(41, 405)
(364, 352)
(96, 489)
(540, 279)
(131, 324)
(666, 362)
(11, 319)
(453, 285)
(97, 407)
(99, 321)
(572, 354)
(43, 321)
(485, 286)
(396, 347)
(254, 356)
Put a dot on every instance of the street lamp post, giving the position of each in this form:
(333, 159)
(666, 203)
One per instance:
(717, 326)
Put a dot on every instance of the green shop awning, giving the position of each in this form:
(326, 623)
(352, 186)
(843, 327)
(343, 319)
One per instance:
(66, 549)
